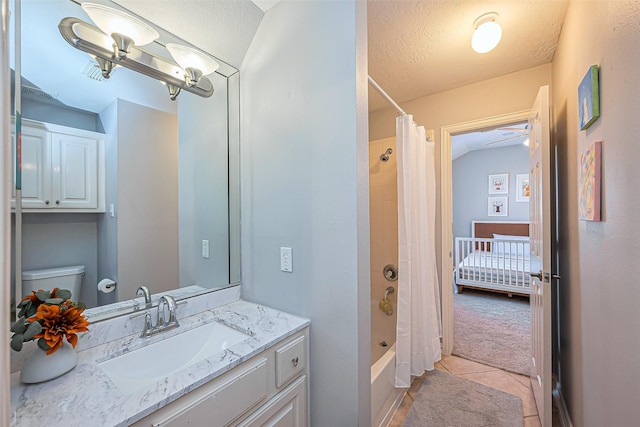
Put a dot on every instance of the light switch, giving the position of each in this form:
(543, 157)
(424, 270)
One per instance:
(286, 262)
(205, 249)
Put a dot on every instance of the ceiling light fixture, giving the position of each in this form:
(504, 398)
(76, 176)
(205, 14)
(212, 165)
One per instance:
(194, 62)
(125, 30)
(487, 33)
(116, 40)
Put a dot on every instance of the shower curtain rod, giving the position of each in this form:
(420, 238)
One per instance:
(386, 96)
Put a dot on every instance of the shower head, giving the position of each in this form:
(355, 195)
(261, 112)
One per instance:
(385, 156)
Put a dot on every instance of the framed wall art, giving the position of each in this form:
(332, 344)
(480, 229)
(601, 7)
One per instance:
(589, 182)
(589, 98)
(499, 183)
(522, 187)
(498, 206)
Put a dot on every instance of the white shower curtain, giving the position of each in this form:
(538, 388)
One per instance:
(418, 327)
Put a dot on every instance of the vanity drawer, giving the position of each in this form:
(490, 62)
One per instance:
(290, 360)
(223, 402)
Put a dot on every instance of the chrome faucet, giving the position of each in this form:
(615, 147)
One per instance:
(149, 329)
(170, 302)
(143, 290)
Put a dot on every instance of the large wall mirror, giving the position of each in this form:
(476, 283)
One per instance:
(171, 170)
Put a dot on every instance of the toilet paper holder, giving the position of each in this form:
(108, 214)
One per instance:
(106, 285)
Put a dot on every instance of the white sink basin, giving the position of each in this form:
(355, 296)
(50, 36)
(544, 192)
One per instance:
(147, 365)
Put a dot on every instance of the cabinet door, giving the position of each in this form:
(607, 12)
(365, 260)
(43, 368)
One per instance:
(36, 160)
(74, 172)
(287, 409)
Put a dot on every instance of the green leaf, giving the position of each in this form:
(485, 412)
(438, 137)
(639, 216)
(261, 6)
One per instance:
(56, 301)
(64, 294)
(43, 295)
(20, 326)
(24, 307)
(81, 305)
(42, 344)
(32, 310)
(16, 342)
(34, 329)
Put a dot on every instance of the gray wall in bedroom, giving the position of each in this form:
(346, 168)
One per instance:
(470, 181)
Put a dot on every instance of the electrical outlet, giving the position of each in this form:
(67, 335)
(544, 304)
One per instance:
(205, 249)
(286, 262)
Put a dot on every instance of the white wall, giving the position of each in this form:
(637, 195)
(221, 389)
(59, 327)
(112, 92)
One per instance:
(147, 208)
(204, 186)
(599, 292)
(305, 186)
(470, 184)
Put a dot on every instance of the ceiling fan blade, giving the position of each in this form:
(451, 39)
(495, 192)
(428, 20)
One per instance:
(504, 139)
(525, 130)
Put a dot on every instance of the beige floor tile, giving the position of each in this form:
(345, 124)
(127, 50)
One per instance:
(440, 367)
(401, 413)
(522, 379)
(457, 365)
(502, 381)
(415, 387)
(532, 422)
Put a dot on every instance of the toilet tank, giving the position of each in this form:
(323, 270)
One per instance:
(60, 277)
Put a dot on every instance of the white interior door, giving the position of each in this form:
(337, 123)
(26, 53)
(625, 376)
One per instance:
(540, 231)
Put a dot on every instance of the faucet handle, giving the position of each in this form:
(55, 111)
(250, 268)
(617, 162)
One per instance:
(148, 326)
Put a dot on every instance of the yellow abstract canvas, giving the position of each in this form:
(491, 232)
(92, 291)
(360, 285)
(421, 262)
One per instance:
(589, 184)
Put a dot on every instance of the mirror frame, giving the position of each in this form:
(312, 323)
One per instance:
(232, 75)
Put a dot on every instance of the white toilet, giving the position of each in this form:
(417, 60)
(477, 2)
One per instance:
(60, 277)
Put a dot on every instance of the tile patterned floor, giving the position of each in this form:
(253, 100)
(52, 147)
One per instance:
(492, 377)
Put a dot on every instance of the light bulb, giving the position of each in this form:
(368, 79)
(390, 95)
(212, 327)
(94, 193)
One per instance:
(486, 37)
(116, 22)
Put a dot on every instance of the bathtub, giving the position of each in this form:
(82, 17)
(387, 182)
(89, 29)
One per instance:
(385, 398)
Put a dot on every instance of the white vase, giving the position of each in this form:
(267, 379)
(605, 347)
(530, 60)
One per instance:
(39, 367)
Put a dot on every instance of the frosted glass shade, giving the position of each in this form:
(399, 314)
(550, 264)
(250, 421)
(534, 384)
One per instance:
(115, 21)
(486, 37)
(187, 57)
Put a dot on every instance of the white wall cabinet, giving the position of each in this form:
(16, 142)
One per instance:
(62, 169)
(270, 389)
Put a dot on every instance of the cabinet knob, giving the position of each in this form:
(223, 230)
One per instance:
(46, 202)
(57, 202)
(295, 361)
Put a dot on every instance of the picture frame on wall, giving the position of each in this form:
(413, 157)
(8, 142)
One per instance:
(589, 182)
(498, 206)
(499, 183)
(522, 187)
(589, 98)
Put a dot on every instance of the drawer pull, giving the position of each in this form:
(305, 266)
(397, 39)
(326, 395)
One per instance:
(295, 361)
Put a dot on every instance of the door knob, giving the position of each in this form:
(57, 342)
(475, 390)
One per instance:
(537, 275)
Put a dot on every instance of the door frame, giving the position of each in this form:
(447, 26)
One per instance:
(446, 210)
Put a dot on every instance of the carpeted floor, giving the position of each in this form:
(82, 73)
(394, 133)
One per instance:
(493, 329)
(446, 400)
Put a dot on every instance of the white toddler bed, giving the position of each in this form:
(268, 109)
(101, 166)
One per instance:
(496, 258)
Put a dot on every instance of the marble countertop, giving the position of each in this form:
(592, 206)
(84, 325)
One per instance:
(85, 396)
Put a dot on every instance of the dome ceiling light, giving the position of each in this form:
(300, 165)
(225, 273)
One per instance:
(487, 33)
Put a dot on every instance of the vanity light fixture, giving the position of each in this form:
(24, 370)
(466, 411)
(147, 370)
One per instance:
(487, 33)
(117, 42)
(194, 62)
(125, 30)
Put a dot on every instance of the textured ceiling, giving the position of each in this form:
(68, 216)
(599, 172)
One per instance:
(418, 48)
(223, 28)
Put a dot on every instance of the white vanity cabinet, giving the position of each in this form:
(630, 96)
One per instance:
(62, 169)
(270, 389)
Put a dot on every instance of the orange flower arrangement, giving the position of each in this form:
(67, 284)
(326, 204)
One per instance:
(49, 316)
